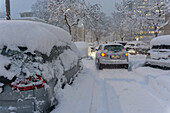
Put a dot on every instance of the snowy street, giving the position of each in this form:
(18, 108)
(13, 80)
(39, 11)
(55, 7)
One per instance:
(142, 90)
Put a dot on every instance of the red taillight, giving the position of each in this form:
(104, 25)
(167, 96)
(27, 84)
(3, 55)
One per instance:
(148, 54)
(29, 83)
(126, 54)
(169, 56)
(103, 54)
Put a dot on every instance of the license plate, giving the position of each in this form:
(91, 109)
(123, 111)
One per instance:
(115, 57)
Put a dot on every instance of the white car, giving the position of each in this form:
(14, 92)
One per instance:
(109, 55)
(136, 47)
(159, 54)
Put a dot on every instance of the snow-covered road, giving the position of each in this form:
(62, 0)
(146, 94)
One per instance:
(142, 90)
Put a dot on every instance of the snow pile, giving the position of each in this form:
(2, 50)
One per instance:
(83, 48)
(161, 40)
(3, 71)
(33, 35)
(68, 59)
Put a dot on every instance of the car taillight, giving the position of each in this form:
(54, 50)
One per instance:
(103, 54)
(126, 54)
(169, 56)
(30, 83)
(148, 54)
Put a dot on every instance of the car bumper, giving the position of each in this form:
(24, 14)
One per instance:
(161, 62)
(26, 104)
(113, 62)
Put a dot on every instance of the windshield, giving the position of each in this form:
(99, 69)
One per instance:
(113, 47)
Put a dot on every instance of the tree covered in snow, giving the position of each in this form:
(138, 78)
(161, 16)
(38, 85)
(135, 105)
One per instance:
(140, 16)
(156, 15)
(68, 14)
(98, 23)
(124, 21)
(40, 10)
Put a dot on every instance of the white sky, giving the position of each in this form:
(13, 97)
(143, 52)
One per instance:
(18, 6)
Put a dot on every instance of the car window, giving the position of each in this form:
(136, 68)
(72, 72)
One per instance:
(113, 47)
(161, 47)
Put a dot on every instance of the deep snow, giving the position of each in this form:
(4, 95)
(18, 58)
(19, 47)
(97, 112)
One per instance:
(141, 90)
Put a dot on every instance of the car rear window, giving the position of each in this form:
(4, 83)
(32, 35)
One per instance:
(161, 47)
(113, 47)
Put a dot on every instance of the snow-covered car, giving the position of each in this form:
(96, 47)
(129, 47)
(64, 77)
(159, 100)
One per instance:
(111, 55)
(136, 47)
(159, 54)
(36, 59)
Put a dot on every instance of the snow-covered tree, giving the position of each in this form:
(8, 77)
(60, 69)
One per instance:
(124, 20)
(68, 14)
(156, 16)
(40, 10)
(69, 11)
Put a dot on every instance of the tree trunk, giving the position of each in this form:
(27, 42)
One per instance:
(7, 5)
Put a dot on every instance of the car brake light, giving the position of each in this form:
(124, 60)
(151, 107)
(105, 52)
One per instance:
(148, 54)
(169, 56)
(103, 54)
(30, 83)
(126, 54)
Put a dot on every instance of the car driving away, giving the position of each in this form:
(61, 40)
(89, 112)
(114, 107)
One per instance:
(36, 59)
(111, 55)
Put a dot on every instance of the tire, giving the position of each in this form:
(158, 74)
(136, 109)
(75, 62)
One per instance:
(100, 66)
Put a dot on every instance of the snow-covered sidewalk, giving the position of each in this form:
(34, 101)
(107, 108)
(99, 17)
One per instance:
(142, 90)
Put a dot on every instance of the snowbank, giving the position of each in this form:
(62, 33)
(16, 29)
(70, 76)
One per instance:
(83, 48)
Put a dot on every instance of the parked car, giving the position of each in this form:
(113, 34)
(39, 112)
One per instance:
(159, 54)
(111, 55)
(136, 47)
(36, 59)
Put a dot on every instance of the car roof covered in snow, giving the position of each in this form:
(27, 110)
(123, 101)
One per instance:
(33, 35)
(135, 42)
(161, 40)
(112, 44)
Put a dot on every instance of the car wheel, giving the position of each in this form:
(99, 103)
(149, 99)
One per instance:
(100, 66)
